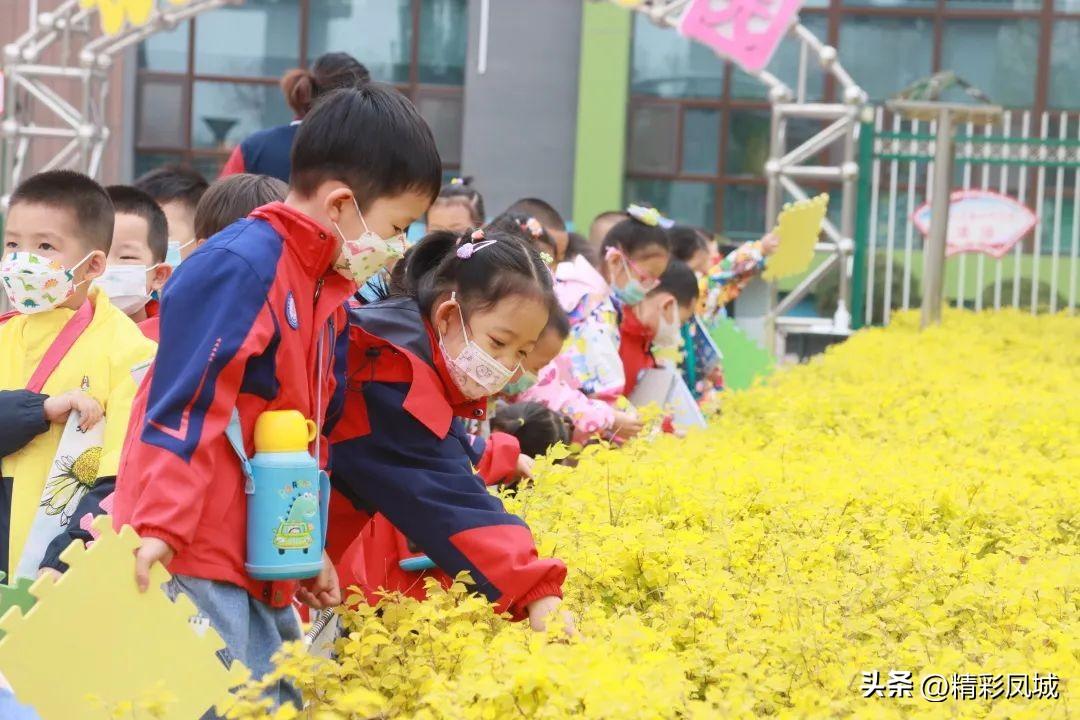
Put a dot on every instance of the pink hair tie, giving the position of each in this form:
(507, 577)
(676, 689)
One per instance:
(466, 251)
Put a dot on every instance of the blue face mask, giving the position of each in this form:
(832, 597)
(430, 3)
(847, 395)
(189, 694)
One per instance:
(172, 255)
(631, 293)
(523, 383)
(376, 288)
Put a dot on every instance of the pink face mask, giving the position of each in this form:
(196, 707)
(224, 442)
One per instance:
(476, 374)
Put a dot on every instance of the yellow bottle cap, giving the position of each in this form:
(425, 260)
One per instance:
(283, 431)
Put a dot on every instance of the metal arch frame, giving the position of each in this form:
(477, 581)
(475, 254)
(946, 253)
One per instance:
(85, 55)
(786, 168)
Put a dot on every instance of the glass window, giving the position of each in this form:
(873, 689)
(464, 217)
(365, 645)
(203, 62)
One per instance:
(701, 141)
(377, 32)
(1001, 5)
(443, 113)
(165, 51)
(653, 136)
(891, 3)
(665, 63)
(145, 162)
(1000, 57)
(744, 212)
(785, 65)
(161, 121)
(1064, 90)
(887, 54)
(748, 142)
(223, 114)
(444, 33)
(691, 203)
(1067, 5)
(256, 39)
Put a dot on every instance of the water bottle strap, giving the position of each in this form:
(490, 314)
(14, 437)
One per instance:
(235, 434)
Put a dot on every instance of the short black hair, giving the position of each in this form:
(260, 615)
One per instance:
(536, 426)
(578, 245)
(679, 280)
(632, 236)
(548, 216)
(78, 193)
(233, 198)
(173, 182)
(372, 139)
(686, 242)
(558, 320)
(460, 191)
(132, 201)
(508, 266)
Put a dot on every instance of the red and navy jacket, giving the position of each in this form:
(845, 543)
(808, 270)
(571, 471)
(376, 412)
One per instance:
(240, 328)
(266, 152)
(397, 451)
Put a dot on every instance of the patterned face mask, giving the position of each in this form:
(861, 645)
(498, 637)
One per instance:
(35, 283)
(366, 255)
(475, 373)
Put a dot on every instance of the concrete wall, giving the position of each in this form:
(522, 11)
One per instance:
(521, 114)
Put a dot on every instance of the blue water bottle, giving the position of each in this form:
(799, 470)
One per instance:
(287, 500)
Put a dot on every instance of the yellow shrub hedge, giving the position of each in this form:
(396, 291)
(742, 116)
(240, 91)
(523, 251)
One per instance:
(909, 501)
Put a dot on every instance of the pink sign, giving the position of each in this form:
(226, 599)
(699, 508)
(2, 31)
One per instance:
(980, 221)
(744, 31)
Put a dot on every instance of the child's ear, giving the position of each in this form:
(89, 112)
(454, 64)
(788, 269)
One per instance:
(161, 273)
(336, 202)
(95, 265)
(444, 314)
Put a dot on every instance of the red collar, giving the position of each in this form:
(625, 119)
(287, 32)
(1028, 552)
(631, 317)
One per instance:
(313, 245)
(153, 309)
(634, 328)
(459, 404)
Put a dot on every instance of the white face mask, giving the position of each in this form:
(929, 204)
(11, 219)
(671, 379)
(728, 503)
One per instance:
(476, 373)
(35, 283)
(126, 286)
(667, 332)
(366, 255)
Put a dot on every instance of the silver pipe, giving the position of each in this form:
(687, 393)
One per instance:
(814, 172)
(52, 101)
(934, 259)
(817, 142)
(805, 286)
(813, 111)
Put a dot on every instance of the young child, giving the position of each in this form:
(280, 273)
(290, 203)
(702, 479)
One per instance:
(136, 270)
(255, 321)
(177, 189)
(587, 378)
(458, 208)
(547, 348)
(474, 307)
(549, 218)
(234, 198)
(536, 427)
(577, 245)
(66, 349)
(650, 332)
(691, 246)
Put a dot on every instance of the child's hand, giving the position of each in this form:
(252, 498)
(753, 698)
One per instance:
(525, 467)
(626, 425)
(58, 407)
(321, 591)
(540, 611)
(769, 243)
(51, 572)
(152, 550)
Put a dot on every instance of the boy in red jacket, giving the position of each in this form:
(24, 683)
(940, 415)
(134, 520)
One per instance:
(651, 329)
(254, 322)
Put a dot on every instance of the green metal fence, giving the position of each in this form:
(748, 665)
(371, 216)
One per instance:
(1032, 158)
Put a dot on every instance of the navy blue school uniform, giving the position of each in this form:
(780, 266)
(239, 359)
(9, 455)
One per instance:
(397, 450)
(266, 152)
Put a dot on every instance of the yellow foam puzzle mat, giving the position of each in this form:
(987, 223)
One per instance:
(93, 643)
(797, 229)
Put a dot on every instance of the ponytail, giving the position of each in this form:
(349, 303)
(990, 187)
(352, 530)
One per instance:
(331, 71)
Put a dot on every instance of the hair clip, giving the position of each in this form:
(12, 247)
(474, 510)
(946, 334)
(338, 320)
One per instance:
(546, 258)
(649, 216)
(457, 181)
(467, 250)
(533, 226)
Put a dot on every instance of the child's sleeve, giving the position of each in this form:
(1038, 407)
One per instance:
(589, 416)
(427, 489)
(732, 274)
(24, 419)
(210, 328)
(499, 461)
(591, 356)
(95, 502)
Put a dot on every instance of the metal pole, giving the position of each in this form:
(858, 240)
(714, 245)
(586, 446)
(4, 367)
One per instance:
(934, 255)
